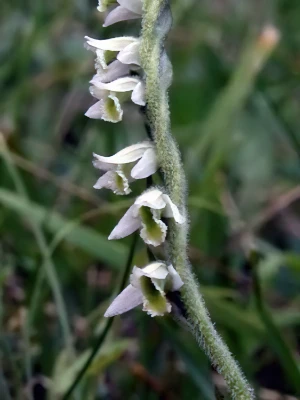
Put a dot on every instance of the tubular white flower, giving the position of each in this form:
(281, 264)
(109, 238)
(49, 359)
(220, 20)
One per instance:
(127, 9)
(148, 286)
(145, 214)
(116, 180)
(112, 94)
(123, 85)
(125, 48)
(120, 170)
(107, 108)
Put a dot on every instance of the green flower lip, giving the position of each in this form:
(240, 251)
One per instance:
(155, 301)
(153, 229)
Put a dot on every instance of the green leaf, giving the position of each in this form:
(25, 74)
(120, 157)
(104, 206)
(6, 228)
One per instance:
(80, 236)
(194, 359)
(66, 370)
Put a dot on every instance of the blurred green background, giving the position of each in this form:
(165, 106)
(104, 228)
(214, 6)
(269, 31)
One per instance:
(238, 129)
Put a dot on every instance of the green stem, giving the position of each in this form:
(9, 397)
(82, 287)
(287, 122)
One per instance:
(156, 24)
(233, 97)
(285, 355)
(42, 244)
(106, 328)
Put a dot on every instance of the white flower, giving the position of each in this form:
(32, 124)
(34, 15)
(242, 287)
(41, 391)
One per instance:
(120, 169)
(149, 286)
(107, 108)
(123, 85)
(127, 9)
(112, 94)
(125, 48)
(146, 214)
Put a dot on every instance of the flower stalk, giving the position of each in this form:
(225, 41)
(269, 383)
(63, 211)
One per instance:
(156, 23)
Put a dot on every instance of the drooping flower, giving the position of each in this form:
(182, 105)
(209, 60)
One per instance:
(126, 49)
(145, 214)
(126, 10)
(121, 169)
(148, 286)
(112, 94)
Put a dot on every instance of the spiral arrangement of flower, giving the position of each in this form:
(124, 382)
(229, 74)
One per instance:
(138, 69)
(118, 79)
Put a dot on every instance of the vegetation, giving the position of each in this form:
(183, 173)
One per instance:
(235, 114)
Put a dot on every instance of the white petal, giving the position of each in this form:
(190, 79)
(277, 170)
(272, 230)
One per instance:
(127, 300)
(171, 210)
(135, 277)
(126, 84)
(127, 225)
(175, 278)
(138, 94)
(151, 198)
(114, 44)
(114, 71)
(108, 109)
(95, 111)
(155, 270)
(119, 14)
(146, 166)
(127, 155)
(98, 93)
(106, 181)
(99, 164)
(135, 6)
(130, 54)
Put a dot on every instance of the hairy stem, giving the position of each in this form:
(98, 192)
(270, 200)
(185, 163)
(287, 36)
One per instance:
(158, 73)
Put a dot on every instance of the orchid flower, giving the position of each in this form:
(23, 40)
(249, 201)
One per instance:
(112, 94)
(126, 49)
(120, 169)
(145, 214)
(148, 286)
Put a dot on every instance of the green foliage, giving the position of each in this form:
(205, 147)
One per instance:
(239, 136)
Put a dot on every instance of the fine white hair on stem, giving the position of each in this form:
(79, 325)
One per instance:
(156, 24)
